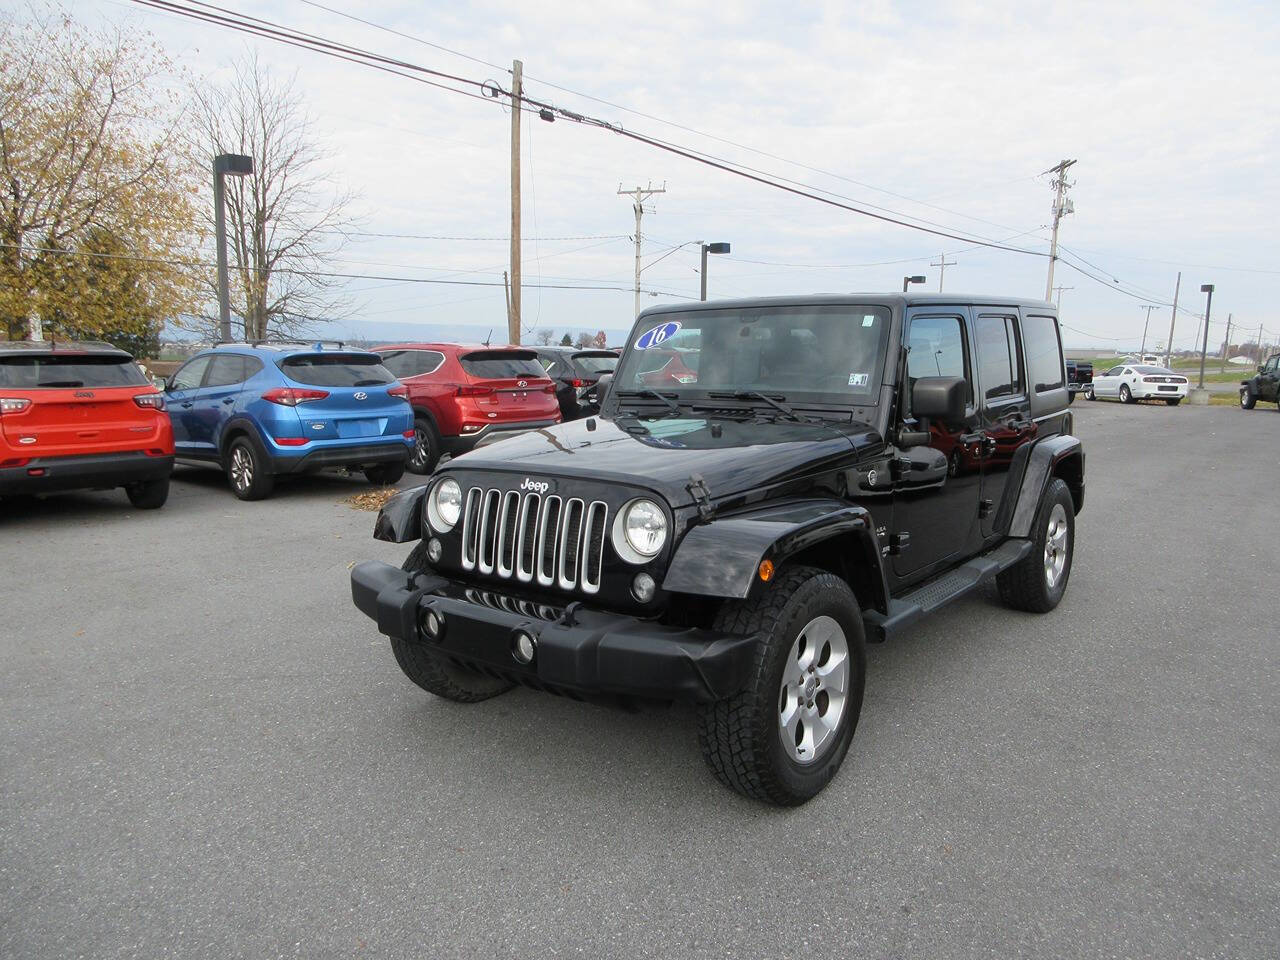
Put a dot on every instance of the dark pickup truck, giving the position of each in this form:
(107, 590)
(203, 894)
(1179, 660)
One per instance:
(1079, 376)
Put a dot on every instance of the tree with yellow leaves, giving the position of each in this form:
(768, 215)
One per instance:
(99, 213)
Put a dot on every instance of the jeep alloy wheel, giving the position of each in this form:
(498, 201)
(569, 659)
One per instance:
(1055, 546)
(814, 684)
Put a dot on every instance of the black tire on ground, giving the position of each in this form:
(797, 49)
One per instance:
(742, 737)
(384, 474)
(1173, 401)
(247, 469)
(1027, 585)
(1125, 395)
(148, 495)
(1248, 399)
(1088, 394)
(434, 673)
(426, 446)
(1071, 397)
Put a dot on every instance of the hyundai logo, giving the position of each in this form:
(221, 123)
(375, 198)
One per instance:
(362, 395)
(522, 383)
(535, 486)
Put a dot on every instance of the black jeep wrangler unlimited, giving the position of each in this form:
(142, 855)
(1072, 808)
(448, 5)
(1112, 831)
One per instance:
(824, 471)
(1263, 385)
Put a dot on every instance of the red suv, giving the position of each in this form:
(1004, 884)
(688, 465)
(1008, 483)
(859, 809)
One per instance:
(468, 396)
(81, 416)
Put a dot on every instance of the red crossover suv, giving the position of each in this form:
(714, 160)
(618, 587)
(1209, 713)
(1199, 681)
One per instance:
(468, 396)
(81, 416)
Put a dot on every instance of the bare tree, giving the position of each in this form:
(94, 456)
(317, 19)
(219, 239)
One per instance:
(285, 222)
(545, 337)
(584, 340)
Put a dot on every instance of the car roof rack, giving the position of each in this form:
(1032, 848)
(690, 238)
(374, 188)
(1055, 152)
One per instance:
(283, 342)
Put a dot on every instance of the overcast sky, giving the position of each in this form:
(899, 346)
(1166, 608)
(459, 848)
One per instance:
(946, 112)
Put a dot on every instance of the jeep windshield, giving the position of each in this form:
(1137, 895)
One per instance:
(826, 354)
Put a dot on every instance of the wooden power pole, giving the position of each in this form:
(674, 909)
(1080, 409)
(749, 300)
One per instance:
(517, 95)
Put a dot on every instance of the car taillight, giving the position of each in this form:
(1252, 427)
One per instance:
(551, 387)
(577, 384)
(475, 392)
(150, 401)
(15, 462)
(398, 390)
(292, 396)
(291, 441)
(13, 404)
(410, 434)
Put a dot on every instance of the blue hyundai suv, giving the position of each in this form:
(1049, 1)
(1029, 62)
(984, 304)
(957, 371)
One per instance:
(261, 410)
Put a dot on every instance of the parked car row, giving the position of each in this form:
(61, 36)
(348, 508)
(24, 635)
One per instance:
(86, 416)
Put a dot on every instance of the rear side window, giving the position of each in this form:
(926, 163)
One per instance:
(52, 372)
(595, 365)
(412, 363)
(337, 370)
(231, 368)
(497, 365)
(998, 368)
(1044, 352)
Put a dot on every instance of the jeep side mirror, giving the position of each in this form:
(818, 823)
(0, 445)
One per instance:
(602, 388)
(939, 398)
(1261, 367)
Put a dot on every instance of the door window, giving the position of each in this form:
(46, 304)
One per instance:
(936, 349)
(999, 369)
(412, 363)
(1114, 372)
(189, 376)
(1272, 363)
(227, 370)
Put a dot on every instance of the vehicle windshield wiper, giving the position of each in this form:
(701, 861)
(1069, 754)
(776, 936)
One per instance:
(368, 383)
(649, 392)
(62, 383)
(757, 395)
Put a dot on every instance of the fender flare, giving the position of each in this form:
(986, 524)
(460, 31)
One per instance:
(400, 519)
(1045, 460)
(238, 423)
(722, 558)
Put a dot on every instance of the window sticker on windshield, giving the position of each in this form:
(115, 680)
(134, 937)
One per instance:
(868, 320)
(658, 335)
(859, 379)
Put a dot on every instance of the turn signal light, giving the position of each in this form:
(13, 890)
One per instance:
(475, 391)
(13, 404)
(150, 401)
(292, 396)
(766, 570)
(398, 390)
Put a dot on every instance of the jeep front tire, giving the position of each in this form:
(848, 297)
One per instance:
(432, 671)
(783, 737)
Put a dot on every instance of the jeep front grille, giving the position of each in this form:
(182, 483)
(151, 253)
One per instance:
(529, 537)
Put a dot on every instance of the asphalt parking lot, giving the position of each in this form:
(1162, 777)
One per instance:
(207, 752)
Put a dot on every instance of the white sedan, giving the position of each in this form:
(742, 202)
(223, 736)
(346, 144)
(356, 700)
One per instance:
(1130, 383)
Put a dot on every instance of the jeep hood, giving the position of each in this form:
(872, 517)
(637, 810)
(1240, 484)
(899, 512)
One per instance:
(731, 456)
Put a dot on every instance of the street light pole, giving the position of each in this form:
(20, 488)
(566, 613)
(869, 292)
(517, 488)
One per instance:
(236, 165)
(710, 248)
(1204, 347)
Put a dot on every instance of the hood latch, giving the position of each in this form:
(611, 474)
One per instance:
(701, 493)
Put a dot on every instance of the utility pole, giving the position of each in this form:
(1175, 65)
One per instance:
(1177, 287)
(1148, 307)
(1061, 207)
(942, 265)
(517, 98)
(1260, 350)
(1226, 346)
(638, 196)
(1059, 289)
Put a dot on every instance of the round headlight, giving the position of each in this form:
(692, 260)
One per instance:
(445, 506)
(644, 530)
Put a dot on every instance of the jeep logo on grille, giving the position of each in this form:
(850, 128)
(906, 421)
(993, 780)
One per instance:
(535, 486)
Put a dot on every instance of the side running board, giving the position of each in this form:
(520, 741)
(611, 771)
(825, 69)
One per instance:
(942, 590)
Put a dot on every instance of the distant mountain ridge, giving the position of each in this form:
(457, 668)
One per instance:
(376, 331)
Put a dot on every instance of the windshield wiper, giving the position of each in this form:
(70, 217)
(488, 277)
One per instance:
(62, 383)
(649, 392)
(757, 395)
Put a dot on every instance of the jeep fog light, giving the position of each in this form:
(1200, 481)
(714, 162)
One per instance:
(643, 587)
(432, 624)
(444, 505)
(523, 647)
(435, 550)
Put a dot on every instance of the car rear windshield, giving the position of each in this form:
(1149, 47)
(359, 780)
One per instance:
(337, 370)
(1153, 370)
(595, 363)
(31, 372)
(501, 365)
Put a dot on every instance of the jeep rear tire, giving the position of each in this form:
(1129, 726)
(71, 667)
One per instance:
(1248, 399)
(1037, 581)
(783, 737)
(248, 470)
(149, 494)
(432, 671)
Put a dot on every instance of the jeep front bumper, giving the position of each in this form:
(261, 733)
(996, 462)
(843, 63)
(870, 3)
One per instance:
(583, 652)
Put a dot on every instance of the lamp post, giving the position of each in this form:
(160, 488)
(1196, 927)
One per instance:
(910, 280)
(710, 248)
(235, 165)
(1205, 288)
